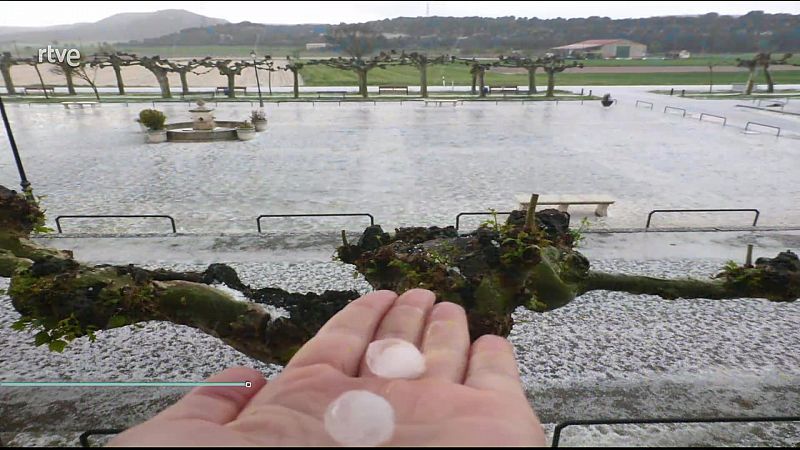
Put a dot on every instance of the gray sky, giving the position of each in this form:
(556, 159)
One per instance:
(43, 13)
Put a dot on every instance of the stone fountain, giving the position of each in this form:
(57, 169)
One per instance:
(203, 127)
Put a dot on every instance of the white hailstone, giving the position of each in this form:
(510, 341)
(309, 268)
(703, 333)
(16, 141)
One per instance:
(395, 358)
(360, 418)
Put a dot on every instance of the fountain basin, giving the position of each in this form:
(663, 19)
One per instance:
(183, 132)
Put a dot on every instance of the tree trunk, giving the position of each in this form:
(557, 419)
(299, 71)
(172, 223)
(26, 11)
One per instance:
(120, 83)
(551, 83)
(770, 82)
(6, 71)
(474, 82)
(296, 83)
(362, 83)
(750, 81)
(94, 89)
(231, 85)
(531, 80)
(70, 83)
(481, 81)
(423, 80)
(41, 80)
(184, 83)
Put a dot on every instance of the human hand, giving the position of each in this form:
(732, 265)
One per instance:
(470, 395)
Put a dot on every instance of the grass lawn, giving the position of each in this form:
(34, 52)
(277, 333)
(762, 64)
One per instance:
(458, 73)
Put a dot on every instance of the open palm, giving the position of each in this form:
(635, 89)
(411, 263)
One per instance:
(469, 395)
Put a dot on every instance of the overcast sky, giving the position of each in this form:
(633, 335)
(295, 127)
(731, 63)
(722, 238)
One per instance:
(41, 13)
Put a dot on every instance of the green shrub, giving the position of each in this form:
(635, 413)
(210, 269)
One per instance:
(152, 119)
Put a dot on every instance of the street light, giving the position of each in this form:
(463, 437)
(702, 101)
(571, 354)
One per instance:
(23, 180)
(258, 83)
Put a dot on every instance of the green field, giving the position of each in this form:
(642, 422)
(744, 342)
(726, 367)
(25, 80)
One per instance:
(459, 74)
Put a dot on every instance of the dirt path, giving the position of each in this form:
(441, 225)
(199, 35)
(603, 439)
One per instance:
(652, 69)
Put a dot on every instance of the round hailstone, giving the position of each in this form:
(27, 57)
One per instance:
(360, 418)
(395, 358)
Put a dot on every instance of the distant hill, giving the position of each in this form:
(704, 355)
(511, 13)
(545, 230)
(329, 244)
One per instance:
(117, 28)
(708, 33)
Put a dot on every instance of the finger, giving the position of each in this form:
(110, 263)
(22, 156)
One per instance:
(446, 343)
(341, 342)
(217, 404)
(406, 320)
(492, 366)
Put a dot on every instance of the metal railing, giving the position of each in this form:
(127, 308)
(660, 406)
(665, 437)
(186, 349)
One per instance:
(747, 127)
(644, 103)
(258, 219)
(650, 216)
(560, 427)
(724, 119)
(116, 216)
(676, 109)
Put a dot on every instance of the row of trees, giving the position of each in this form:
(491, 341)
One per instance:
(357, 63)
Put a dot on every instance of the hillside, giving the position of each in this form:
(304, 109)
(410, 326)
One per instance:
(117, 28)
(709, 33)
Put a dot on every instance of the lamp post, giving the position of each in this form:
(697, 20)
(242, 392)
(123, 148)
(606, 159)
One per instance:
(23, 180)
(258, 83)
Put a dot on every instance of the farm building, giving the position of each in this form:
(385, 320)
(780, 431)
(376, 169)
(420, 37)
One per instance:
(604, 48)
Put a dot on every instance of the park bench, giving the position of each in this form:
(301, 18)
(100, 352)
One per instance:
(341, 94)
(27, 89)
(213, 94)
(68, 105)
(224, 90)
(393, 90)
(504, 89)
(440, 102)
(564, 201)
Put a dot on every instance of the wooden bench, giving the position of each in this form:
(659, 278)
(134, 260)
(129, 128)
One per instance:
(51, 89)
(224, 90)
(68, 105)
(564, 201)
(504, 89)
(440, 102)
(340, 94)
(392, 90)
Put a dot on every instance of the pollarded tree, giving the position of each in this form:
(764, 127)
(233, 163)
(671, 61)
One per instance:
(552, 65)
(421, 61)
(80, 72)
(361, 66)
(294, 66)
(529, 261)
(6, 61)
(115, 60)
(228, 68)
(529, 64)
(160, 68)
(182, 69)
(762, 60)
(66, 69)
(478, 71)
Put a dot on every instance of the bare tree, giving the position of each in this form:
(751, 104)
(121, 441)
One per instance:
(6, 61)
(478, 71)
(552, 65)
(160, 69)
(529, 64)
(421, 61)
(80, 72)
(66, 69)
(295, 66)
(360, 66)
(228, 68)
(762, 60)
(115, 60)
